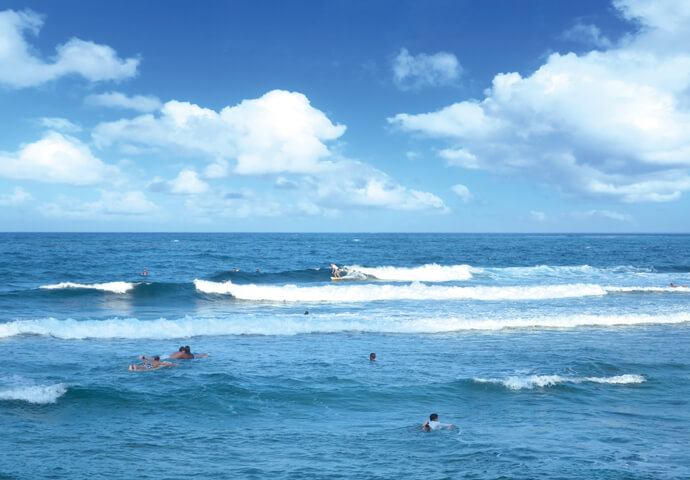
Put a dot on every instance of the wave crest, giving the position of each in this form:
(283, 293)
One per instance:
(426, 273)
(38, 394)
(372, 293)
(114, 287)
(541, 381)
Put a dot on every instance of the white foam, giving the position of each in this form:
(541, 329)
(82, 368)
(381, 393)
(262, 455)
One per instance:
(248, 323)
(372, 293)
(115, 287)
(39, 394)
(425, 273)
(540, 381)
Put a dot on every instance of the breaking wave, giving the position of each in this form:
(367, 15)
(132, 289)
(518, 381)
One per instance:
(294, 324)
(425, 273)
(115, 287)
(37, 394)
(541, 381)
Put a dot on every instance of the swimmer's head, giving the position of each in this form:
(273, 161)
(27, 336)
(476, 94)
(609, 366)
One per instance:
(157, 358)
(188, 349)
(181, 349)
(372, 356)
(433, 417)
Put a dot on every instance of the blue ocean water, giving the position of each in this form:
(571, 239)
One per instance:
(563, 356)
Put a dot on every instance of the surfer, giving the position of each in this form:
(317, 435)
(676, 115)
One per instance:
(372, 357)
(434, 424)
(335, 271)
(676, 286)
(151, 364)
(185, 353)
(145, 273)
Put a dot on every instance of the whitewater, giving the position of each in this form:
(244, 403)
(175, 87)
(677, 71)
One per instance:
(554, 356)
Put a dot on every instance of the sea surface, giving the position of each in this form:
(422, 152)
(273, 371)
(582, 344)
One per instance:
(554, 356)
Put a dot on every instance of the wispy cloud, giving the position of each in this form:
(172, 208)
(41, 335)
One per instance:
(423, 70)
(140, 103)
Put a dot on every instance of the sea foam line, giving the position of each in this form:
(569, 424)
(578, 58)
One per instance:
(39, 394)
(414, 291)
(115, 287)
(295, 324)
(540, 381)
(425, 273)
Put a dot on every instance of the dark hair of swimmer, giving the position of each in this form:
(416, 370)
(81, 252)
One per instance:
(181, 349)
(157, 357)
(372, 356)
(433, 417)
(188, 349)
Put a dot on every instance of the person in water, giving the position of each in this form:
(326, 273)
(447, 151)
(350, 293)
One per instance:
(145, 273)
(151, 363)
(434, 424)
(335, 271)
(185, 353)
(372, 357)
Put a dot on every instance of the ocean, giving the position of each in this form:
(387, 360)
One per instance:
(554, 356)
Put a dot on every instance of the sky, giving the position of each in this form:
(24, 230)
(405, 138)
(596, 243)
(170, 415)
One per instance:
(528, 116)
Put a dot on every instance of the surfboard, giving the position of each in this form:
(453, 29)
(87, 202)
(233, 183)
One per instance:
(336, 279)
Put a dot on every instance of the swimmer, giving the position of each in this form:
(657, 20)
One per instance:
(676, 286)
(145, 273)
(306, 312)
(179, 353)
(372, 357)
(335, 271)
(434, 424)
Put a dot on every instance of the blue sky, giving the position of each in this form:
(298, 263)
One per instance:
(450, 116)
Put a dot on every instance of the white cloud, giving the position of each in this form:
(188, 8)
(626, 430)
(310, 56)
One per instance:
(188, 182)
(622, 217)
(60, 124)
(460, 158)
(283, 183)
(277, 133)
(140, 103)
(411, 72)
(16, 198)
(612, 124)
(537, 216)
(463, 192)
(352, 183)
(56, 158)
(587, 34)
(21, 67)
(109, 205)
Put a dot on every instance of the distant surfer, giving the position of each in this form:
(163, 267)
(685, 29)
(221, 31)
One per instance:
(335, 271)
(372, 357)
(145, 273)
(676, 286)
(434, 424)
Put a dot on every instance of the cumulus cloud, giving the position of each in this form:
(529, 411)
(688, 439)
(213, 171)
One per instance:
(140, 103)
(277, 133)
(21, 67)
(463, 192)
(417, 71)
(56, 158)
(186, 183)
(608, 124)
(14, 199)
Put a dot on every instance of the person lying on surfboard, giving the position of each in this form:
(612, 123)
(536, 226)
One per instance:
(335, 270)
(151, 364)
